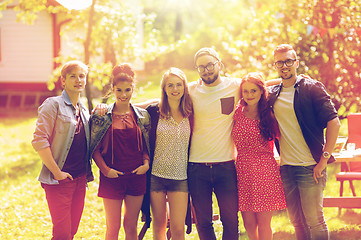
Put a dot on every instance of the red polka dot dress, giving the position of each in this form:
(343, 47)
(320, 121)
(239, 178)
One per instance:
(259, 182)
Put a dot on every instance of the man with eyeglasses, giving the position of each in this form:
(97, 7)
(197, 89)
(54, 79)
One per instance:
(211, 161)
(303, 110)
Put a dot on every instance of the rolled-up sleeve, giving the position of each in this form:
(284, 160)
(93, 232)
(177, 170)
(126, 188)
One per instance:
(47, 113)
(325, 109)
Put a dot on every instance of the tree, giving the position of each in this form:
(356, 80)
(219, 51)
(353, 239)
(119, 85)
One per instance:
(326, 35)
(110, 38)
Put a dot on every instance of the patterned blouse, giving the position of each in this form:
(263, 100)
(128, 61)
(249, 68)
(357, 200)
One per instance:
(171, 149)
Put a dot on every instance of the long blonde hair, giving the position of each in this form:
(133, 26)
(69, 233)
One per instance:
(186, 105)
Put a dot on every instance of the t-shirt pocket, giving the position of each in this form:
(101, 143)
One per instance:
(227, 105)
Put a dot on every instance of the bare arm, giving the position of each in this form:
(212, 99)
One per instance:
(333, 127)
(272, 82)
(48, 160)
(147, 103)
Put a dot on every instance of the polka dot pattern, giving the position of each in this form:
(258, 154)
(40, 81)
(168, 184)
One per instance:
(171, 149)
(260, 186)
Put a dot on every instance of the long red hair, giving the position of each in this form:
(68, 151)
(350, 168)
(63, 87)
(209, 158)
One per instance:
(268, 125)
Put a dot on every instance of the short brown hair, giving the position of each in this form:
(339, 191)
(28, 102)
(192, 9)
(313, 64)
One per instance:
(69, 66)
(284, 48)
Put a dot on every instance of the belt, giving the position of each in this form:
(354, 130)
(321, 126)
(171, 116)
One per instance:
(210, 164)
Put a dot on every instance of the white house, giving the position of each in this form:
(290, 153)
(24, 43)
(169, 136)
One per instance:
(27, 55)
(26, 59)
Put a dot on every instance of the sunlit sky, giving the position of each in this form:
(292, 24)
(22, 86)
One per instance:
(75, 4)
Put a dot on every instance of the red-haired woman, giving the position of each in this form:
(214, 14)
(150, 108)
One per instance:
(260, 189)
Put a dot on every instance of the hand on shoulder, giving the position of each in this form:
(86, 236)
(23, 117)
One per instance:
(100, 109)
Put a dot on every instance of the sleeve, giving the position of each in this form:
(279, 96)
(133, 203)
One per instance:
(324, 108)
(47, 114)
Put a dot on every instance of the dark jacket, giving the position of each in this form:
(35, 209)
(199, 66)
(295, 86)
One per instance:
(153, 111)
(313, 108)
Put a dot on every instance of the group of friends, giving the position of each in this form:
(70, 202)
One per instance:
(181, 149)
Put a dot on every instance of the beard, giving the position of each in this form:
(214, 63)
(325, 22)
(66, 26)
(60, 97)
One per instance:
(286, 76)
(208, 79)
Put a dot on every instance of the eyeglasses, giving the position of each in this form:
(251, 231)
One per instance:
(288, 63)
(209, 67)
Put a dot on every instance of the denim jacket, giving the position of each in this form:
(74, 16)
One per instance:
(100, 124)
(313, 108)
(55, 128)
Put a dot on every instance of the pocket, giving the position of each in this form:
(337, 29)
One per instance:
(96, 123)
(309, 169)
(229, 166)
(227, 105)
(66, 180)
(192, 167)
(62, 124)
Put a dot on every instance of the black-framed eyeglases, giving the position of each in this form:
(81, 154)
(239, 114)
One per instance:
(209, 67)
(288, 63)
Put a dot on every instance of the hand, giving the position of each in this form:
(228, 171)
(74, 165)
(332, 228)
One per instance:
(306, 76)
(62, 176)
(102, 109)
(317, 170)
(113, 173)
(141, 169)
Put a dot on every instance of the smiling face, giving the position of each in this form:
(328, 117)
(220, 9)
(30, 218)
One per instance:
(209, 77)
(251, 93)
(75, 80)
(174, 88)
(123, 91)
(288, 74)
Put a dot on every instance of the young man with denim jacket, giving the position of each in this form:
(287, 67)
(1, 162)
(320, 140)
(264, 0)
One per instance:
(303, 110)
(62, 139)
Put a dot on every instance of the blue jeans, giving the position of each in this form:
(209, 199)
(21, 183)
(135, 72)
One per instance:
(304, 198)
(222, 179)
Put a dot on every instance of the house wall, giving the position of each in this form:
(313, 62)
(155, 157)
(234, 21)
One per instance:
(26, 50)
(26, 61)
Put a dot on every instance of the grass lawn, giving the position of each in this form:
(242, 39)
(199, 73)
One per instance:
(24, 213)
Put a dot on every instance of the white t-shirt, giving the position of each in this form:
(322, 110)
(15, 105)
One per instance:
(293, 147)
(213, 120)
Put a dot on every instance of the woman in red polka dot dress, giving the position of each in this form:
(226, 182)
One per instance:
(260, 187)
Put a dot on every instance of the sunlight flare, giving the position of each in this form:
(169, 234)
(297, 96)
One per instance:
(75, 4)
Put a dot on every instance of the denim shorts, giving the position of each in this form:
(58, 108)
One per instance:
(158, 184)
